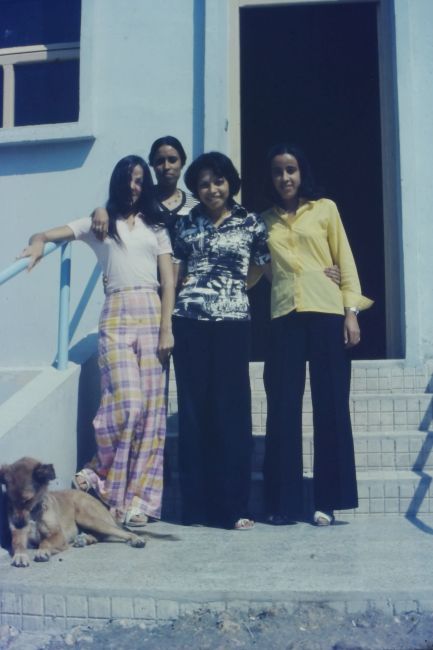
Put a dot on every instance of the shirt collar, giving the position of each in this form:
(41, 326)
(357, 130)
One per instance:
(236, 211)
(304, 205)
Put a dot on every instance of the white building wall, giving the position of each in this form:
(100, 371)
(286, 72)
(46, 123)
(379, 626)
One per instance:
(137, 72)
(414, 21)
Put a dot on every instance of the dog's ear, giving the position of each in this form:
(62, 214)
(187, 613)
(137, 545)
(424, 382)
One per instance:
(43, 473)
(3, 472)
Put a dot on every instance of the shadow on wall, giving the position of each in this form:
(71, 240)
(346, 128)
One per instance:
(5, 536)
(37, 158)
(88, 402)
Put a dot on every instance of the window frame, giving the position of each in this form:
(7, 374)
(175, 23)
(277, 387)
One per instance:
(82, 129)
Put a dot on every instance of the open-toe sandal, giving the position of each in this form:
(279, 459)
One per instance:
(135, 519)
(81, 481)
(323, 518)
(243, 524)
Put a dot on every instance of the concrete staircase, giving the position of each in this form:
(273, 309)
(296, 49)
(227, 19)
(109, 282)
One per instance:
(392, 411)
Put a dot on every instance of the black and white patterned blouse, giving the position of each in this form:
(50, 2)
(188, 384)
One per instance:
(170, 217)
(216, 263)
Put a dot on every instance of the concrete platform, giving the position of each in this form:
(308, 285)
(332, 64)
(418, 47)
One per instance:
(362, 562)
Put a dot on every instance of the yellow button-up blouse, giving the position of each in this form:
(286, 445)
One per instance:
(301, 249)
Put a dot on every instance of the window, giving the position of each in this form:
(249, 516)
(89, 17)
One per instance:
(39, 61)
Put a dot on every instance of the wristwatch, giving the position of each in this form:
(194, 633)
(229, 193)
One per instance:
(355, 310)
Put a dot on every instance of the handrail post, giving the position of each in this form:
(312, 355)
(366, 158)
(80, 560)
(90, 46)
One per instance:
(65, 291)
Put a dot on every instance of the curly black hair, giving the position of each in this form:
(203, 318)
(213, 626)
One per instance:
(220, 165)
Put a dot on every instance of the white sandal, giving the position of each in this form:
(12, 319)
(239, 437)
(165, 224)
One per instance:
(85, 484)
(323, 518)
(244, 524)
(134, 518)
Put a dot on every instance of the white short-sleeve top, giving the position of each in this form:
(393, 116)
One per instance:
(133, 261)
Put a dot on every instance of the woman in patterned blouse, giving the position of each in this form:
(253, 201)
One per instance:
(216, 243)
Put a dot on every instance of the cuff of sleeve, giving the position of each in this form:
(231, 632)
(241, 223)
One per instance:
(351, 299)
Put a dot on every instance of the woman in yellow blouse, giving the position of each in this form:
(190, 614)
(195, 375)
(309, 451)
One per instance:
(313, 319)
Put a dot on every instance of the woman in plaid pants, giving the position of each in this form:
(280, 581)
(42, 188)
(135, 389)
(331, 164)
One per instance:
(135, 341)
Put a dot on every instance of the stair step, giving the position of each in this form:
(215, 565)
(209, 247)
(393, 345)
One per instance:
(405, 450)
(369, 412)
(388, 492)
(395, 450)
(385, 376)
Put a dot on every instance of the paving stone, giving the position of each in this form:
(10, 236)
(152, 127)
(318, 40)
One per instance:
(33, 604)
(167, 610)
(10, 603)
(55, 605)
(122, 607)
(99, 607)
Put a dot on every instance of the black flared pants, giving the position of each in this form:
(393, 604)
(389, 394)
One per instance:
(295, 339)
(211, 360)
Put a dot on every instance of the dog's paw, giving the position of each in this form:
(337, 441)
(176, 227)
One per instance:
(84, 539)
(137, 542)
(42, 555)
(20, 560)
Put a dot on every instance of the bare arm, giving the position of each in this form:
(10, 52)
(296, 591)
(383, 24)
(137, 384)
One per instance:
(100, 223)
(352, 333)
(166, 341)
(267, 272)
(35, 248)
(178, 274)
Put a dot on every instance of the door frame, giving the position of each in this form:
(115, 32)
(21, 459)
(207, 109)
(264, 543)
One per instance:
(391, 204)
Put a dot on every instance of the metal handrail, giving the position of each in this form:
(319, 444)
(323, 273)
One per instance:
(64, 297)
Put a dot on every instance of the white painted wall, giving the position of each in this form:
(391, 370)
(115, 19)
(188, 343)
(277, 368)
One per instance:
(414, 22)
(137, 71)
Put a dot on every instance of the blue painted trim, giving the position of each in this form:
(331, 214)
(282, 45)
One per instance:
(198, 78)
(20, 265)
(65, 293)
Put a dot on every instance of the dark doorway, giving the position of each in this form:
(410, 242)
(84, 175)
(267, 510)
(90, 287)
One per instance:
(309, 75)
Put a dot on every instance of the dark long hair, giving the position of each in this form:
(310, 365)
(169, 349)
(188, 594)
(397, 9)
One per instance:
(119, 195)
(308, 188)
(220, 165)
(170, 141)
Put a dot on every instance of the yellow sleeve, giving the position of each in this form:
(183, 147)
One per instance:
(342, 255)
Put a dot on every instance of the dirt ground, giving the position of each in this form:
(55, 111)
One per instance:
(309, 628)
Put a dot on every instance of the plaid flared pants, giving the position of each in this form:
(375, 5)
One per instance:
(130, 424)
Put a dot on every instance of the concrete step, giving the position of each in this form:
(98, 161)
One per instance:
(363, 563)
(387, 412)
(384, 492)
(407, 450)
(379, 376)
(12, 380)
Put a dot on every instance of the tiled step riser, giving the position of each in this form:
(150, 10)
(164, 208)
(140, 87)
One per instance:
(369, 413)
(406, 497)
(375, 377)
(411, 452)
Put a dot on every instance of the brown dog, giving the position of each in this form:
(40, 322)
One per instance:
(50, 520)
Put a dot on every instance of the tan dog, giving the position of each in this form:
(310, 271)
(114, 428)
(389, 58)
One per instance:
(50, 520)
